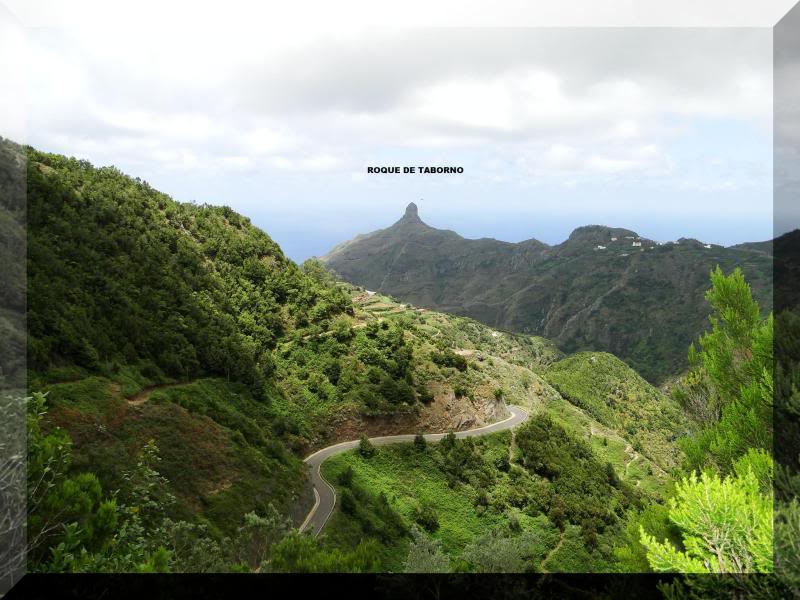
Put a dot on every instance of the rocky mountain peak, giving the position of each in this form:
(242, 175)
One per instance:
(411, 216)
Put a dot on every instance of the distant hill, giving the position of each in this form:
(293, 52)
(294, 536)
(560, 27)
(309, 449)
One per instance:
(604, 288)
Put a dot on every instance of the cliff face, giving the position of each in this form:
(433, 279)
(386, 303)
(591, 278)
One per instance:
(604, 288)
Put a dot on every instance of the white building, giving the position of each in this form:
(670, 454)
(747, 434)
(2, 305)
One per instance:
(613, 239)
(636, 244)
(599, 247)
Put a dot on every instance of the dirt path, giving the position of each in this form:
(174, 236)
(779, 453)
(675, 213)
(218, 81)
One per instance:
(542, 568)
(633, 454)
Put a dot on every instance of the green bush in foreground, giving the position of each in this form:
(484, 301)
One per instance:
(726, 525)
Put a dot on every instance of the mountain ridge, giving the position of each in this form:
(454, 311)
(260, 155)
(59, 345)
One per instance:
(411, 217)
(586, 293)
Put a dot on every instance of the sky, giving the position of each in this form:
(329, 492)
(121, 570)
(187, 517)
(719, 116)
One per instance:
(664, 131)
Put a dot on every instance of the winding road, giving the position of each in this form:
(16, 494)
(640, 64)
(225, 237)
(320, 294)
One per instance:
(324, 494)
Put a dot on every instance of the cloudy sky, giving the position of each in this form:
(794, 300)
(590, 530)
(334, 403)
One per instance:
(664, 131)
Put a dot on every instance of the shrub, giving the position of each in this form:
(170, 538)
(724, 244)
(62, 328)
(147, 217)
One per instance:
(349, 504)
(448, 441)
(419, 442)
(346, 477)
(726, 526)
(448, 358)
(425, 396)
(611, 475)
(426, 517)
(365, 447)
(502, 463)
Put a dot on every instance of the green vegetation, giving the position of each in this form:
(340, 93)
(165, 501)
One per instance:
(726, 527)
(180, 367)
(217, 447)
(617, 397)
(484, 505)
(730, 389)
(464, 504)
(724, 515)
(610, 446)
(74, 525)
(365, 447)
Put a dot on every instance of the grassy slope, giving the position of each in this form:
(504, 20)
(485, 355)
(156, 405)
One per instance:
(613, 394)
(496, 359)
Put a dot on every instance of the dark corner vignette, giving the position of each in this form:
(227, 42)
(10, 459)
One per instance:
(13, 473)
(786, 276)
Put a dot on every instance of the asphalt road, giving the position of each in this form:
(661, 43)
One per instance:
(324, 494)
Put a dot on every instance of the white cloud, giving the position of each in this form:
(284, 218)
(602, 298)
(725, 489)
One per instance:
(199, 97)
(217, 114)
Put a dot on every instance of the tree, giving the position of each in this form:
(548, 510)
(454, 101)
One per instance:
(349, 503)
(654, 518)
(346, 477)
(146, 489)
(255, 538)
(611, 475)
(448, 442)
(726, 527)
(194, 550)
(425, 555)
(733, 372)
(365, 447)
